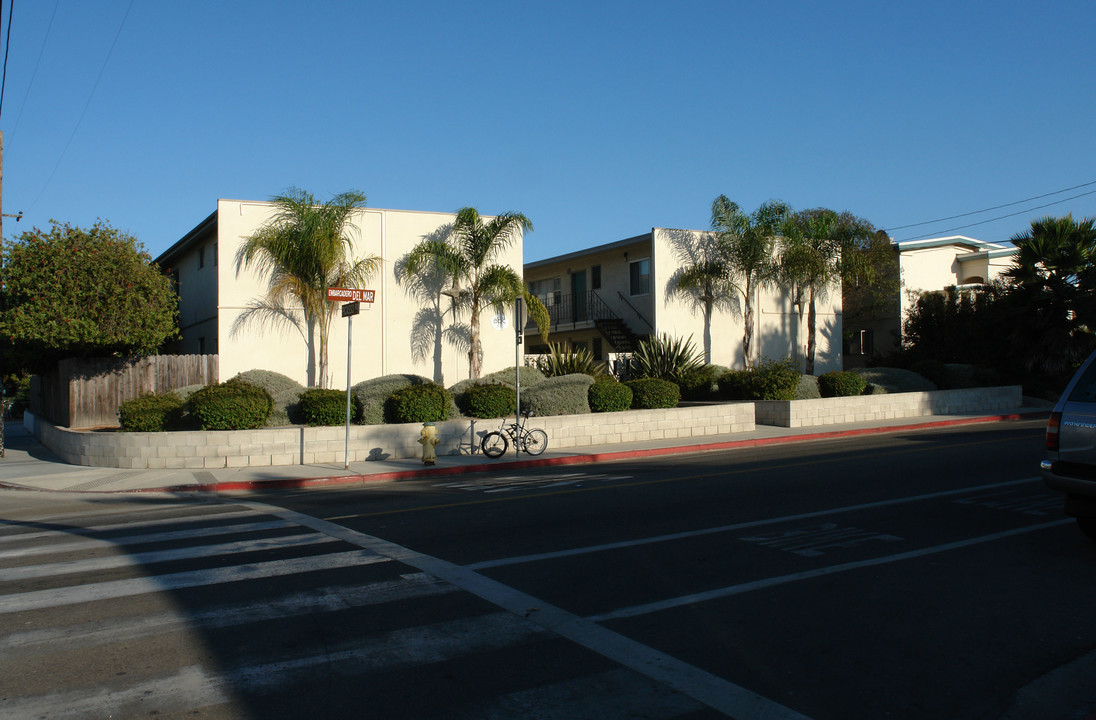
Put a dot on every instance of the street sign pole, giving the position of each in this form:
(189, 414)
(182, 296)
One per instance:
(519, 324)
(349, 310)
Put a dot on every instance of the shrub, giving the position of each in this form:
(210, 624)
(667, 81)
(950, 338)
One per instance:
(232, 405)
(530, 377)
(372, 395)
(807, 388)
(609, 396)
(768, 380)
(418, 404)
(700, 383)
(286, 393)
(665, 358)
(487, 401)
(322, 407)
(840, 384)
(934, 371)
(562, 360)
(649, 393)
(151, 413)
(893, 380)
(564, 395)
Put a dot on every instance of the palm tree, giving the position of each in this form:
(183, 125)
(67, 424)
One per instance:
(746, 243)
(468, 257)
(817, 249)
(305, 248)
(704, 275)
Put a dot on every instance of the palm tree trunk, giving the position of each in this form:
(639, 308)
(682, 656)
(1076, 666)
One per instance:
(747, 333)
(473, 346)
(812, 316)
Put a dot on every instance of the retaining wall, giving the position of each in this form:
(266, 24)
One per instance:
(313, 446)
(865, 408)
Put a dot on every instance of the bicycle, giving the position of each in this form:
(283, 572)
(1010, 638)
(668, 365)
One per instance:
(533, 442)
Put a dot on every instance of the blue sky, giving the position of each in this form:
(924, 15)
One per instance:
(598, 120)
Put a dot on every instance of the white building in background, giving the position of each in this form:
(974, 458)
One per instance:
(605, 297)
(408, 329)
(937, 263)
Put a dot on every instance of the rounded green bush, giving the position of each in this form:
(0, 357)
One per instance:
(934, 371)
(768, 380)
(807, 388)
(286, 393)
(487, 401)
(151, 413)
(373, 394)
(840, 384)
(651, 393)
(699, 383)
(610, 396)
(321, 407)
(232, 405)
(417, 404)
(563, 395)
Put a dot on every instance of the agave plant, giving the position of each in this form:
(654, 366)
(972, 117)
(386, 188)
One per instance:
(666, 358)
(564, 360)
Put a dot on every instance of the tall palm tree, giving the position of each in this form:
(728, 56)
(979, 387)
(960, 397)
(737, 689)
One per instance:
(305, 248)
(468, 257)
(747, 243)
(818, 248)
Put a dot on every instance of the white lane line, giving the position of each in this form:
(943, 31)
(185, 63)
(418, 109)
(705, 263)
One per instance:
(194, 687)
(96, 529)
(648, 608)
(332, 598)
(91, 544)
(58, 597)
(537, 557)
(698, 684)
(70, 567)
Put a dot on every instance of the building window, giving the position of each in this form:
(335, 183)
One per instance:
(595, 277)
(640, 275)
(867, 342)
(201, 346)
(548, 290)
(201, 258)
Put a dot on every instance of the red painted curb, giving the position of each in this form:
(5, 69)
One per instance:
(576, 459)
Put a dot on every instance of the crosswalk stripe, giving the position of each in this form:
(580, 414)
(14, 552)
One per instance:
(96, 529)
(309, 602)
(69, 567)
(91, 543)
(193, 687)
(58, 597)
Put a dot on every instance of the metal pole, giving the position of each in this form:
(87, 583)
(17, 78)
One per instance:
(518, 322)
(346, 444)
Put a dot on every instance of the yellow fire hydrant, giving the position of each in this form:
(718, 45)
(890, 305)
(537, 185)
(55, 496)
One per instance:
(429, 439)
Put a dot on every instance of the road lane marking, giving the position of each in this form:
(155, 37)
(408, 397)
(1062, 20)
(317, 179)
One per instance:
(69, 567)
(810, 542)
(96, 529)
(557, 554)
(713, 691)
(648, 608)
(58, 597)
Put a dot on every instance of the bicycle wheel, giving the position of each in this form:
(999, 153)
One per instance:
(493, 444)
(535, 442)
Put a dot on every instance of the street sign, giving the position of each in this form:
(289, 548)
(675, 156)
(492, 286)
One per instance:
(352, 308)
(350, 295)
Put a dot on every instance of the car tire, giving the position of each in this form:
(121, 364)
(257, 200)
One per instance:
(1088, 526)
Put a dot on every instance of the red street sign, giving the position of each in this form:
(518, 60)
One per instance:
(350, 295)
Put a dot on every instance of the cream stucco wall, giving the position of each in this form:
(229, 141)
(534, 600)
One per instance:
(383, 337)
(932, 265)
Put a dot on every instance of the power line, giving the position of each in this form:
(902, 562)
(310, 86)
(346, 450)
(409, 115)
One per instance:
(34, 74)
(996, 207)
(7, 49)
(999, 217)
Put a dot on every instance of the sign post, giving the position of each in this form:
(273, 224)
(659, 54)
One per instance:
(519, 325)
(353, 298)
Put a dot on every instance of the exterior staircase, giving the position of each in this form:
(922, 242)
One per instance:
(618, 334)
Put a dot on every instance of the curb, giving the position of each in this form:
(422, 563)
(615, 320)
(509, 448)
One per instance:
(296, 483)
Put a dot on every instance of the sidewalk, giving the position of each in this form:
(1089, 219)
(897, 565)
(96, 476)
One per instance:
(28, 465)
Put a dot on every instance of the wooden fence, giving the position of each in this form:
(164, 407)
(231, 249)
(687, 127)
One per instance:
(86, 393)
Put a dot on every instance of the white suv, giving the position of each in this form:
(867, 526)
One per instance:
(1069, 464)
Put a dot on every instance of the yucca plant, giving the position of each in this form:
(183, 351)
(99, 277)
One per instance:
(564, 360)
(666, 358)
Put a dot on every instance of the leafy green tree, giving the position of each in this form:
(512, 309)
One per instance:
(818, 249)
(305, 248)
(746, 244)
(468, 257)
(74, 292)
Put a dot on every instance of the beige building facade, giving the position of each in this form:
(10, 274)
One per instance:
(410, 327)
(607, 297)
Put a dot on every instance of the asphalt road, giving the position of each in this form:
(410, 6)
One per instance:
(913, 575)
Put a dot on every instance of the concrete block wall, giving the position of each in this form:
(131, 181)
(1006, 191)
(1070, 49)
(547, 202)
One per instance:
(316, 446)
(866, 408)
